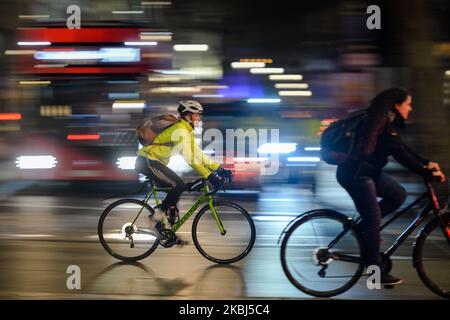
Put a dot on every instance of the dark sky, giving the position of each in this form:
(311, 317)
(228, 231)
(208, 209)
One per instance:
(280, 28)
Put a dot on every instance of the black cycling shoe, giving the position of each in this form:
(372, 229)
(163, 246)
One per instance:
(173, 215)
(389, 280)
(174, 241)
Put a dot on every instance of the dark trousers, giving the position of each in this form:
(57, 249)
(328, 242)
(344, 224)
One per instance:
(163, 177)
(364, 191)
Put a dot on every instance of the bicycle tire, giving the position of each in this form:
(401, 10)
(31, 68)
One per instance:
(209, 256)
(104, 242)
(418, 250)
(306, 217)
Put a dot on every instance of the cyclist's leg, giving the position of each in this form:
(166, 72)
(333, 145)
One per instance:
(392, 193)
(164, 177)
(156, 171)
(141, 166)
(363, 191)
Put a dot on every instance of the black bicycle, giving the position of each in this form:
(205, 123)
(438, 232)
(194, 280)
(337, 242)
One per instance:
(321, 249)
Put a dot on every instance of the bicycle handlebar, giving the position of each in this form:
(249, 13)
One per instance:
(434, 179)
(214, 191)
(197, 184)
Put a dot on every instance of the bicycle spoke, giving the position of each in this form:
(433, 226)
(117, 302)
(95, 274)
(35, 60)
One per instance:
(315, 232)
(121, 237)
(313, 267)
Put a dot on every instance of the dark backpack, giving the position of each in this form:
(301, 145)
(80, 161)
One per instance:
(338, 141)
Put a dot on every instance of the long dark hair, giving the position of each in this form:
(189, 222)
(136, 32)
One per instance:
(378, 115)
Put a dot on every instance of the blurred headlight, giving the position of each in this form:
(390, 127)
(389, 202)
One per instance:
(36, 162)
(126, 163)
(303, 159)
(277, 148)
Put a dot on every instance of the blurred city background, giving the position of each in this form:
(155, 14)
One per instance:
(70, 101)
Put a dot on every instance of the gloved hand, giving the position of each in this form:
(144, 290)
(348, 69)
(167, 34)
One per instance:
(215, 180)
(227, 174)
(439, 176)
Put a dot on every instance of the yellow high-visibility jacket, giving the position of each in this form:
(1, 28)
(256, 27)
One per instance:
(179, 139)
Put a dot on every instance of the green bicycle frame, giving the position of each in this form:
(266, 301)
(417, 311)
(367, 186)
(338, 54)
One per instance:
(205, 197)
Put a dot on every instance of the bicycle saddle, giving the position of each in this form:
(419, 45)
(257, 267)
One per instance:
(150, 181)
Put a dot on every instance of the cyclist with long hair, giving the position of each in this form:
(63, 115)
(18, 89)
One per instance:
(362, 175)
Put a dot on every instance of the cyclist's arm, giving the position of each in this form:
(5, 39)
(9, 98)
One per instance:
(206, 160)
(194, 156)
(404, 155)
(418, 157)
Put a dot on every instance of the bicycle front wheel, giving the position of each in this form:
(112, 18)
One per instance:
(312, 264)
(120, 237)
(432, 257)
(234, 244)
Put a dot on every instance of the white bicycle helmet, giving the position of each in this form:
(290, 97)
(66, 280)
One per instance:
(189, 106)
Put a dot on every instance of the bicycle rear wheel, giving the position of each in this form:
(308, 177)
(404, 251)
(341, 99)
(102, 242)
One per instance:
(230, 247)
(311, 265)
(432, 257)
(121, 239)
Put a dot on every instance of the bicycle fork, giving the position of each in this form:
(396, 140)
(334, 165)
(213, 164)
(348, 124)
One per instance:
(216, 216)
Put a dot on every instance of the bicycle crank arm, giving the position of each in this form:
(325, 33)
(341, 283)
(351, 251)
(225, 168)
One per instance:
(346, 258)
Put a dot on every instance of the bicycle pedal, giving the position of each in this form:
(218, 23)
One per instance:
(166, 243)
(168, 238)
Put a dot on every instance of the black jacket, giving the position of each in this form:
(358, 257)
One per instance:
(389, 143)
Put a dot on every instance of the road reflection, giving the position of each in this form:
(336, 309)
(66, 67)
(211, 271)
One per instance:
(135, 278)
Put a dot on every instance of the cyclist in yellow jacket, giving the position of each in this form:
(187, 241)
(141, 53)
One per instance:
(178, 138)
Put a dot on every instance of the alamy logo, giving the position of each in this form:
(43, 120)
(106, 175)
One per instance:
(239, 143)
(374, 279)
(74, 20)
(74, 280)
(374, 21)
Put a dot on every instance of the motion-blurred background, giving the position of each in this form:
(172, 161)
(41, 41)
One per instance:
(71, 99)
